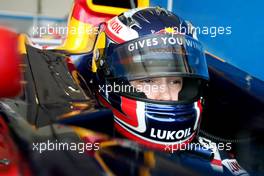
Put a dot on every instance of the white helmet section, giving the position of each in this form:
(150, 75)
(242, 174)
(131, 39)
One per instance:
(119, 32)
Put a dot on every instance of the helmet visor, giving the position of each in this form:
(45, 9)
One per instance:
(158, 56)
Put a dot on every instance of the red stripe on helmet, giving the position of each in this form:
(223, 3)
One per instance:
(129, 108)
(216, 162)
(199, 104)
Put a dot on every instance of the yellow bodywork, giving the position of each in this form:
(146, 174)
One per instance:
(78, 40)
(100, 44)
(22, 41)
(113, 10)
(80, 37)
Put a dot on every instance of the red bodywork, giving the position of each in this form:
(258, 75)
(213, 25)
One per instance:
(10, 75)
(82, 13)
(12, 162)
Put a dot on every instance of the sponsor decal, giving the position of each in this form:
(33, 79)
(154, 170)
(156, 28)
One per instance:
(115, 26)
(165, 40)
(170, 135)
(119, 32)
(234, 167)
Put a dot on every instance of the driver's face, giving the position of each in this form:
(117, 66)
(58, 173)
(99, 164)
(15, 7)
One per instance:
(165, 88)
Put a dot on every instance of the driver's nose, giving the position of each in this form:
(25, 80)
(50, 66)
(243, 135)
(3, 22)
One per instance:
(165, 93)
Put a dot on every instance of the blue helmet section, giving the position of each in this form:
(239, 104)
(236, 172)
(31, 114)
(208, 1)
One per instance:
(153, 20)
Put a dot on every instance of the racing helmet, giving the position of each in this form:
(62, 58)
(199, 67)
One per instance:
(146, 47)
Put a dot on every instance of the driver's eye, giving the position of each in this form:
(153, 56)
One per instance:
(147, 81)
(175, 82)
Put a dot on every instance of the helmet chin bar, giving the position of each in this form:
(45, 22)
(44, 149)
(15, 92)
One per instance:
(154, 125)
(164, 135)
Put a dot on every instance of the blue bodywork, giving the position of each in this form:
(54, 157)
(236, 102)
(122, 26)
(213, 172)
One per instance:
(243, 47)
